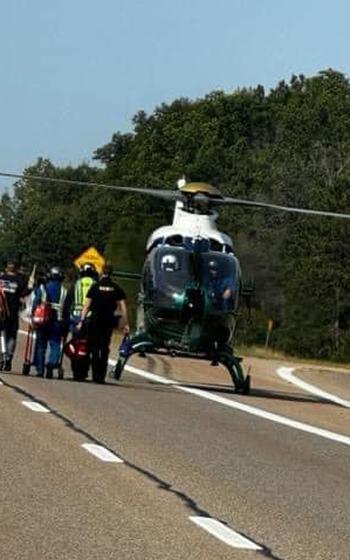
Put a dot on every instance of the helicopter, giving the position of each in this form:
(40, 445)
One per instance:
(191, 282)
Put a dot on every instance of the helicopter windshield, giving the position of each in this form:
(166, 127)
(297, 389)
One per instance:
(221, 277)
(169, 273)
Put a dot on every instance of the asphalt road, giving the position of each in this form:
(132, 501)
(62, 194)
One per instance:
(184, 456)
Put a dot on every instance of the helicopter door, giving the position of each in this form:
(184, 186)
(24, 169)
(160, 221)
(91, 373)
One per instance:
(221, 277)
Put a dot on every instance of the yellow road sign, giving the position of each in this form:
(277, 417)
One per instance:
(91, 255)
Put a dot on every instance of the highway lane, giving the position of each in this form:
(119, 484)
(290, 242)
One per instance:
(59, 502)
(284, 489)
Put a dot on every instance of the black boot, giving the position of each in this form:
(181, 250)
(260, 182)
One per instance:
(8, 364)
(49, 372)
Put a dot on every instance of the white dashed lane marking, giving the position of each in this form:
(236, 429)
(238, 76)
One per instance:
(224, 533)
(102, 453)
(35, 406)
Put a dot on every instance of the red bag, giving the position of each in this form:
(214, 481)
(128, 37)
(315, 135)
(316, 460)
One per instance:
(42, 314)
(4, 311)
(77, 348)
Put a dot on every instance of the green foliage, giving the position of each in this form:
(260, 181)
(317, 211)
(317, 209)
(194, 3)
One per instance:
(290, 146)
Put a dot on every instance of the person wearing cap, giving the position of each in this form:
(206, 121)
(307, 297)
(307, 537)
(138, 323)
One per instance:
(104, 299)
(14, 288)
(50, 334)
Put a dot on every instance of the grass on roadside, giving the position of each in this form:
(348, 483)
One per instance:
(271, 354)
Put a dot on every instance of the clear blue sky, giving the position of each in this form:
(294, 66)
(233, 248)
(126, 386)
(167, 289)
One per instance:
(73, 72)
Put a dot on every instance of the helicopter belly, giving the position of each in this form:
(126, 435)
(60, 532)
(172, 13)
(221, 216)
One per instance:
(170, 331)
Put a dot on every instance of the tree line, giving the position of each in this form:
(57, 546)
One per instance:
(289, 146)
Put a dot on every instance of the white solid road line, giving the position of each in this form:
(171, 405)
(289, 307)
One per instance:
(243, 407)
(150, 376)
(102, 453)
(286, 373)
(224, 533)
(37, 407)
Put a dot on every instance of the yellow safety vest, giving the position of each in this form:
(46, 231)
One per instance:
(81, 288)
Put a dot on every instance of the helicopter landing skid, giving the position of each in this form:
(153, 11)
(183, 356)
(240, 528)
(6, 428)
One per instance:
(139, 343)
(142, 345)
(233, 364)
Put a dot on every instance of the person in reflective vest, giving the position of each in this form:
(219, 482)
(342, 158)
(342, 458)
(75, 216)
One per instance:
(51, 332)
(77, 295)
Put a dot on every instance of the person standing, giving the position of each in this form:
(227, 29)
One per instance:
(103, 301)
(14, 287)
(80, 362)
(54, 327)
(78, 293)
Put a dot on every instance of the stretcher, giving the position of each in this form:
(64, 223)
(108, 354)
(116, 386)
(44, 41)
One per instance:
(60, 366)
(3, 354)
(28, 350)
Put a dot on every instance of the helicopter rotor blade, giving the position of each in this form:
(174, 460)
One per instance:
(307, 211)
(159, 193)
(171, 195)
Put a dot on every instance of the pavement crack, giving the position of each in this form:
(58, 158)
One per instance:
(188, 502)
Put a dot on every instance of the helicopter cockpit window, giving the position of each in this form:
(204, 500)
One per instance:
(171, 272)
(221, 276)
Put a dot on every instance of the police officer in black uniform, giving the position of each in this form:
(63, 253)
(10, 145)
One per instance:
(103, 300)
(15, 288)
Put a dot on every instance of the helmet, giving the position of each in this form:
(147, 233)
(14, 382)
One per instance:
(56, 273)
(87, 269)
(169, 263)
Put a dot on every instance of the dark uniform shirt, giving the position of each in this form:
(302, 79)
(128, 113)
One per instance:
(14, 287)
(104, 296)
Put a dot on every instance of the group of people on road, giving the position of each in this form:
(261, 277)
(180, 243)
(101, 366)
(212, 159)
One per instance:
(81, 316)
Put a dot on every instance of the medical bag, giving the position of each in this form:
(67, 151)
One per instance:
(42, 314)
(76, 348)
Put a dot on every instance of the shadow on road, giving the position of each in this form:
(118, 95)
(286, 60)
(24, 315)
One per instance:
(149, 385)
